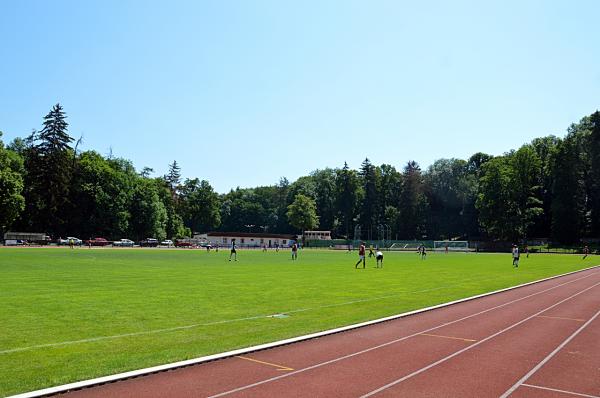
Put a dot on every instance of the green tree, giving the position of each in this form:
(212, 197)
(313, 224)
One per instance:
(594, 173)
(370, 210)
(347, 198)
(324, 181)
(200, 205)
(450, 190)
(545, 148)
(302, 213)
(48, 162)
(148, 214)
(412, 204)
(497, 209)
(173, 177)
(102, 190)
(12, 201)
(526, 172)
(568, 193)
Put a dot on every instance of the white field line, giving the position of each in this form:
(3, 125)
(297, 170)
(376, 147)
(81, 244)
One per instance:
(561, 391)
(242, 351)
(318, 365)
(196, 325)
(514, 325)
(545, 360)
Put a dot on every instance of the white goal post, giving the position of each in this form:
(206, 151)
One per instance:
(452, 245)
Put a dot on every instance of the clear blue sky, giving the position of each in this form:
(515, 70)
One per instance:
(242, 93)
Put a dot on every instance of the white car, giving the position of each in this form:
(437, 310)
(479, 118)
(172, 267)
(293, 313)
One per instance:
(167, 242)
(123, 243)
(76, 241)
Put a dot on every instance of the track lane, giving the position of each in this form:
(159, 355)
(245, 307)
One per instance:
(493, 366)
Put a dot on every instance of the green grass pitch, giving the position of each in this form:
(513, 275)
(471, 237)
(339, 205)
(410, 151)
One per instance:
(69, 315)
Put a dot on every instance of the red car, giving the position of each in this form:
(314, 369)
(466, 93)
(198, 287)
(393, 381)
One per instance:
(183, 243)
(97, 242)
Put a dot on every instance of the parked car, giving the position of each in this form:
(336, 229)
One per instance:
(183, 243)
(149, 242)
(123, 243)
(167, 242)
(76, 241)
(97, 242)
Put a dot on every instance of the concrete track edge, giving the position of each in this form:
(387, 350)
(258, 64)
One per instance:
(195, 361)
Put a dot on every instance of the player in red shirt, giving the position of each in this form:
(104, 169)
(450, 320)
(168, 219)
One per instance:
(361, 256)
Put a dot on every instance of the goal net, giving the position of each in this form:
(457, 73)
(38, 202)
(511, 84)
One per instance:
(452, 245)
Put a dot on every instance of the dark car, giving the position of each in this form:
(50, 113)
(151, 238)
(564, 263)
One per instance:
(149, 242)
(97, 242)
(183, 243)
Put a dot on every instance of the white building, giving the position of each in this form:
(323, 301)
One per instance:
(317, 235)
(248, 239)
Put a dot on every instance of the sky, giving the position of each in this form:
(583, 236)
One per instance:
(242, 93)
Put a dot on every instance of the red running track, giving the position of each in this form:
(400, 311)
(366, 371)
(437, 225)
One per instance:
(541, 340)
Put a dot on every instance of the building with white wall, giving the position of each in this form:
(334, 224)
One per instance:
(248, 239)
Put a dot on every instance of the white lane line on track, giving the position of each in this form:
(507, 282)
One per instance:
(318, 365)
(543, 361)
(562, 391)
(197, 325)
(514, 325)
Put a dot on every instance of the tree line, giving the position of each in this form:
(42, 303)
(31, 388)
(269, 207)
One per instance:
(548, 188)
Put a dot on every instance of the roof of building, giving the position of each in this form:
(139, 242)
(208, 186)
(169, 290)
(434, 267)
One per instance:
(251, 235)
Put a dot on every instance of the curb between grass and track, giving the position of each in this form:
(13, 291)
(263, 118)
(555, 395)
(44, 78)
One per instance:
(195, 361)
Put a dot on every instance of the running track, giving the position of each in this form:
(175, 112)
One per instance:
(541, 340)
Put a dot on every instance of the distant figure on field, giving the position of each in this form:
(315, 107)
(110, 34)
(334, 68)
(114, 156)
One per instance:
(371, 253)
(422, 251)
(265, 247)
(277, 247)
(294, 251)
(217, 248)
(446, 250)
(586, 251)
(515, 256)
(71, 243)
(379, 258)
(526, 248)
(233, 251)
(361, 256)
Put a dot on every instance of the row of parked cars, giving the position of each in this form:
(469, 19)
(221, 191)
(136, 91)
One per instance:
(149, 242)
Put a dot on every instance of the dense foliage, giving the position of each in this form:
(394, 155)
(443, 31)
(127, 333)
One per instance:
(549, 188)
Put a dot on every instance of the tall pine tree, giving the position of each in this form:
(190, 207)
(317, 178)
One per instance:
(49, 169)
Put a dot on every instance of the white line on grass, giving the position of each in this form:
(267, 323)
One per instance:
(561, 391)
(539, 365)
(196, 325)
(243, 351)
(318, 365)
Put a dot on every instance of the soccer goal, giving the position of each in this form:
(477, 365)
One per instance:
(452, 245)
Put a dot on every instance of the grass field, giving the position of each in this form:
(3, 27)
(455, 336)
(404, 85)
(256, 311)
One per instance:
(68, 315)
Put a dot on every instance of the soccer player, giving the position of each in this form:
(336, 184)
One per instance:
(294, 251)
(515, 256)
(423, 252)
(233, 251)
(526, 248)
(371, 253)
(361, 256)
(379, 259)
(446, 250)
(586, 251)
